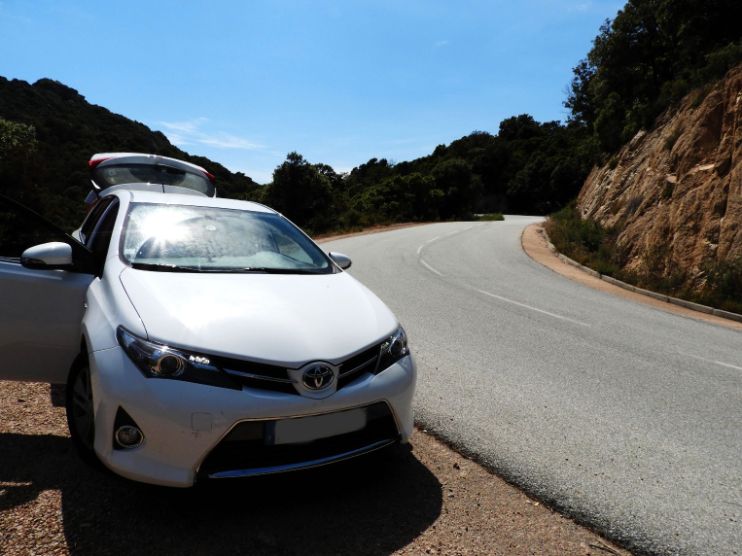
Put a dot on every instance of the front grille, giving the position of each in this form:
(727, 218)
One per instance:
(248, 448)
(276, 378)
(257, 375)
(364, 362)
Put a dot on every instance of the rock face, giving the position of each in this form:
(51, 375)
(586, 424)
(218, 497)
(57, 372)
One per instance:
(674, 194)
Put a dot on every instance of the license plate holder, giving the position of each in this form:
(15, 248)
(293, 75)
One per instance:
(300, 430)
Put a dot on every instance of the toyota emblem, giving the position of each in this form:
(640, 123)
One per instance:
(318, 377)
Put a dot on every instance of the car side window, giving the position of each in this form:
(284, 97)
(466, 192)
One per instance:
(93, 217)
(21, 228)
(100, 238)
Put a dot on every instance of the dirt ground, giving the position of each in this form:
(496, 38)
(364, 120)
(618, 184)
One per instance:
(427, 500)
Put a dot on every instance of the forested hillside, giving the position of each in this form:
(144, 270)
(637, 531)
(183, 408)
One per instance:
(48, 131)
(528, 168)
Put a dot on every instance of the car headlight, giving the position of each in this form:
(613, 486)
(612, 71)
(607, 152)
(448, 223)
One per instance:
(157, 360)
(394, 349)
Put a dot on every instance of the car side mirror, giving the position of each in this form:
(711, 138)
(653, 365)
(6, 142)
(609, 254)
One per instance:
(343, 261)
(48, 256)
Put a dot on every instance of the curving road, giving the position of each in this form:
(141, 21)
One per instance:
(624, 416)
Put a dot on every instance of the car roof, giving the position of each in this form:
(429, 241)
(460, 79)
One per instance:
(188, 199)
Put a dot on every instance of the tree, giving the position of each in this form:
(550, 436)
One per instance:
(453, 178)
(648, 57)
(519, 127)
(18, 146)
(302, 192)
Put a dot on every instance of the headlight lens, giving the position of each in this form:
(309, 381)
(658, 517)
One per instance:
(156, 360)
(394, 349)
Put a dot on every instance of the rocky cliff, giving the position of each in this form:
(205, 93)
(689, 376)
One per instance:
(674, 194)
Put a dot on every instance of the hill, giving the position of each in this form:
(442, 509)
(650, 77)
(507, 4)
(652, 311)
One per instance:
(65, 130)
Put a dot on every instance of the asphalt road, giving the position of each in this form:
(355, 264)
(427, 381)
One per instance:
(623, 416)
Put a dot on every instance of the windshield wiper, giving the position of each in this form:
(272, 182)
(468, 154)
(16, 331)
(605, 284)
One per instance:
(163, 267)
(264, 269)
(223, 270)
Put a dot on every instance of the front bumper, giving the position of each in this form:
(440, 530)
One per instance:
(183, 423)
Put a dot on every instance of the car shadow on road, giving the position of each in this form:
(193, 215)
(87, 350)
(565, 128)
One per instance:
(372, 505)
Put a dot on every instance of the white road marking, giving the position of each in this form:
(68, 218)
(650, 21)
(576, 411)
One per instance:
(720, 363)
(432, 240)
(430, 268)
(490, 294)
(519, 304)
(419, 249)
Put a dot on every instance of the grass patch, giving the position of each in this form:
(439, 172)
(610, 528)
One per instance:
(723, 288)
(490, 217)
(585, 241)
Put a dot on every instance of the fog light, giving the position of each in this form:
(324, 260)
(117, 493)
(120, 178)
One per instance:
(129, 437)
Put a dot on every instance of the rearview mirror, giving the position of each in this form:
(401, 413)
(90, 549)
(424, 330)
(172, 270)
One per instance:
(343, 261)
(48, 256)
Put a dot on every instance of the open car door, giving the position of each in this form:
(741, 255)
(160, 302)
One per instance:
(41, 299)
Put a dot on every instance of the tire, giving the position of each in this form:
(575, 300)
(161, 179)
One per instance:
(80, 413)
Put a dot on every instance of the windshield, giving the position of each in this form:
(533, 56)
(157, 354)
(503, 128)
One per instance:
(109, 175)
(178, 238)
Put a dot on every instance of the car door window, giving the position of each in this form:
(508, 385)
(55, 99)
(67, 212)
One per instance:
(21, 228)
(101, 236)
(93, 217)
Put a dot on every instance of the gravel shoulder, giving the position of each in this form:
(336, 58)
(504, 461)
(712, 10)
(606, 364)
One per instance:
(427, 500)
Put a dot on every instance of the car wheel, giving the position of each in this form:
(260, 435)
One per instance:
(80, 415)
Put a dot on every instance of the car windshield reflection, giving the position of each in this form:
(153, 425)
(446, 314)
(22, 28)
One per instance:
(180, 238)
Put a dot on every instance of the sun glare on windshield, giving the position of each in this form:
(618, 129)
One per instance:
(207, 239)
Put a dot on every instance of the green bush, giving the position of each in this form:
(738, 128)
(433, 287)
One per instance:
(585, 241)
(723, 286)
(490, 217)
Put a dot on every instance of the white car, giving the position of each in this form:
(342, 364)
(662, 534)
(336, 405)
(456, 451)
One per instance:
(201, 338)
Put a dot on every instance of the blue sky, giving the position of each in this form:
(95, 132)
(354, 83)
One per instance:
(245, 82)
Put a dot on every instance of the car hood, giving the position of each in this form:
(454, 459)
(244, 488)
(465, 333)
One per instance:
(286, 319)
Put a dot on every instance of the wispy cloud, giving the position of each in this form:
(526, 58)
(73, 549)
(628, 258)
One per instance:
(441, 44)
(188, 126)
(192, 132)
(581, 6)
(229, 141)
